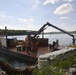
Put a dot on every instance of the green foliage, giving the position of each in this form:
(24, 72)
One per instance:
(21, 74)
(57, 67)
(65, 64)
(16, 32)
(48, 70)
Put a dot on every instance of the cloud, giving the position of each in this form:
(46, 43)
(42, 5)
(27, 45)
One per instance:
(64, 9)
(68, 0)
(63, 17)
(26, 20)
(36, 3)
(50, 1)
(9, 26)
(23, 20)
(2, 15)
(20, 23)
(31, 19)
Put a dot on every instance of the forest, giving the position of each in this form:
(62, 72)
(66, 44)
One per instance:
(26, 32)
(16, 32)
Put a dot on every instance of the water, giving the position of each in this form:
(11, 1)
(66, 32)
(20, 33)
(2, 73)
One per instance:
(64, 39)
(15, 62)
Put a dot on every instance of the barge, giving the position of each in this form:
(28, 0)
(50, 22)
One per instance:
(18, 55)
(37, 46)
(18, 50)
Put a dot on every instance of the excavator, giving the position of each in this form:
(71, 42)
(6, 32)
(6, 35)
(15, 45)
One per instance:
(49, 24)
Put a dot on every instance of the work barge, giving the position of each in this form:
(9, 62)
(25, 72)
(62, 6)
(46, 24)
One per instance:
(37, 46)
(19, 51)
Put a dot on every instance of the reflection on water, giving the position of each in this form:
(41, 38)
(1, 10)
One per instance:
(15, 62)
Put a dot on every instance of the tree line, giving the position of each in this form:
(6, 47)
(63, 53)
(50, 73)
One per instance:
(16, 32)
(25, 32)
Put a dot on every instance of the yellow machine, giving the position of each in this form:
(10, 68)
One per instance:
(72, 45)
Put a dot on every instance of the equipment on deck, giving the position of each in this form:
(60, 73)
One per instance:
(35, 37)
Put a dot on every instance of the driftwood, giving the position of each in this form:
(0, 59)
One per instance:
(16, 71)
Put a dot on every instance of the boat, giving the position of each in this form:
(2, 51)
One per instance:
(32, 47)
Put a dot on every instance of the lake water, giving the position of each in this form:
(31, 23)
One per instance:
(15, 62)
(64, 39)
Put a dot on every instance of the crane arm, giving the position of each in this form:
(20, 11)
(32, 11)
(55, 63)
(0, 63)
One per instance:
(49, 24)
(62, 31)
(41, 29)
(59, 29)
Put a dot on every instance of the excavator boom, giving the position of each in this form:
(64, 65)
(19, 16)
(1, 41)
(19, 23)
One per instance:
(59, 29)
(62, 31)
(49, 24)
(41, 29)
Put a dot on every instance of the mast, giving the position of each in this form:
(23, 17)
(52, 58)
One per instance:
(6, 35)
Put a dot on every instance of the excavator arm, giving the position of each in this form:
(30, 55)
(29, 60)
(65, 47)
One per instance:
(41, 29)
(62, 31)
(49, 24)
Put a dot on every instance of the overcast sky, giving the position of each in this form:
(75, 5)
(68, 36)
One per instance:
(32, 14)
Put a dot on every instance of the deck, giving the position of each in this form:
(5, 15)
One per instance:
(36, 54)
(23, 55)
(19, 50)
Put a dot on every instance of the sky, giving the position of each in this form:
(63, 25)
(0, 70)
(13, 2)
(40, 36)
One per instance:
(33, 14)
